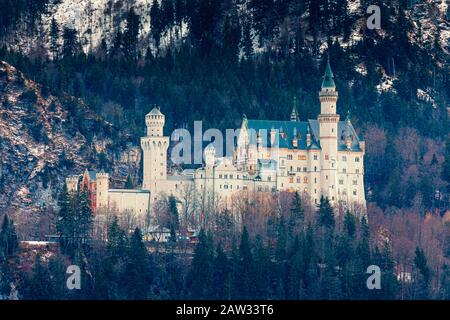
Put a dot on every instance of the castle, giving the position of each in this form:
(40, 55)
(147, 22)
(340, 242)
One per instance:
(319, 157)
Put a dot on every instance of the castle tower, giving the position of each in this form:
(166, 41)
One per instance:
(210, 155)
(102, 179)
(72, 183)
(328, 123)
(154, 146)
(294, 113)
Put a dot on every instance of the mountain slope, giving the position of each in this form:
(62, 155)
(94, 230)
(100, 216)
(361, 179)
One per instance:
(40, 142)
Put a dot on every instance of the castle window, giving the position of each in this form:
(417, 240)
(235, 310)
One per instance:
(344, 158)
(355, 182)
(344, 170)
(326, 177)
(291, 180)
(305, 169)
(220, 176)
(298, 180)
(341, 181)
(299, 169)
(315, 180)
(315, 157)
(226, 176)
(315, 190)
(231, 176)
(269, 178)
(315, 169)
(354, 192)
(289, 156)
(260, 189)
(301, 157)
(305, 180)
(327, 157)
(357, 171)
(357, 159)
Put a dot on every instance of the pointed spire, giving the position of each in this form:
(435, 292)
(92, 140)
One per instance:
(244, 121)
(328, 77)
(294, 113)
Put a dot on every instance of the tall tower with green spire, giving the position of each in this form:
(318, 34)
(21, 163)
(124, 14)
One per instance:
(328, 124)
(294, 113)
(328, 94)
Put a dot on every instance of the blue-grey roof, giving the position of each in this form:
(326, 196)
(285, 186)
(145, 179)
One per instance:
(288, 130)
(344, 128)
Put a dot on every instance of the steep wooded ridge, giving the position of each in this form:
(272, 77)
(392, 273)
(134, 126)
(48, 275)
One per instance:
(39, 140)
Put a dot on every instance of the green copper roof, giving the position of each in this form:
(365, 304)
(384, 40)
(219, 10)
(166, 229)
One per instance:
(328, 81)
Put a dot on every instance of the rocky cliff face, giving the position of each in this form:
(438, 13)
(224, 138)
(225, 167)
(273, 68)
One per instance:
(40, 140)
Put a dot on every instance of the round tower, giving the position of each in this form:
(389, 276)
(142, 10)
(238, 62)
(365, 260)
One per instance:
(210, 155)
(102, 179)
(155, 121)
(154, 146)
(328, 126)
(72, 183)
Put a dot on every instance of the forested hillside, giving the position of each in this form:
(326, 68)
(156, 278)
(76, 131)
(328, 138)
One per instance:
(216, 60)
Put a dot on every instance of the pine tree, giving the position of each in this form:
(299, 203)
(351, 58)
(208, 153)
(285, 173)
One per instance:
(221, 275)
(39, 286)
(326, 214)
(247, 40)
(130, 35)
(297, 217)
(246, 266)
(54, 39)
(423, 278)
(74, 220)
(71, 46)
(174, 222)
(350, 224)
(280, 252)
(137, 274)
(262, 271)
(117, 241)
(8, 238)
(155, 23)
(201, 274)
(65, 222)
(83, 216)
